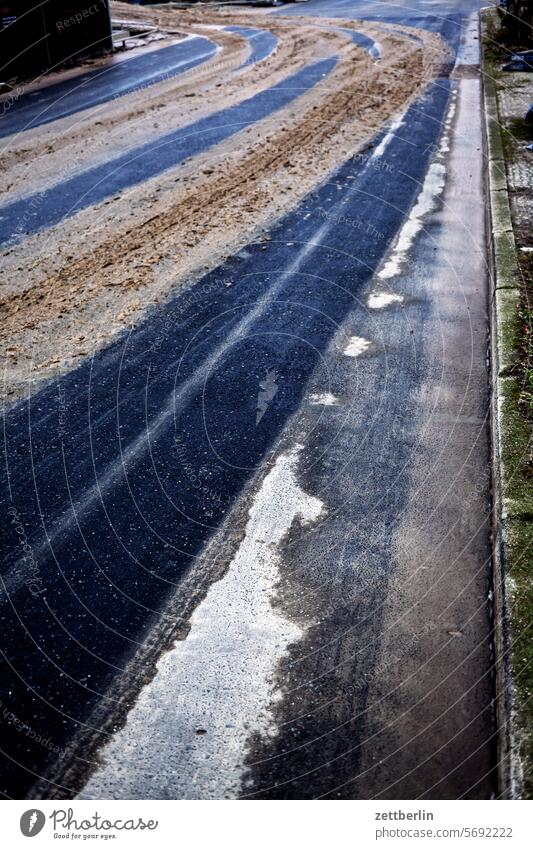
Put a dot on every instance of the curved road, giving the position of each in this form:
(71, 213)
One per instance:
(43, 209)
(283, 469)
(93, 88)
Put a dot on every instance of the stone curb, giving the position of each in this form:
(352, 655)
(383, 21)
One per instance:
(506, 511)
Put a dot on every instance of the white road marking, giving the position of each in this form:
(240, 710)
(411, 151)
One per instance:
(432, 189)
(177, 398)
(326, 399)
(186, 736)
(378, 300)
(356, 346)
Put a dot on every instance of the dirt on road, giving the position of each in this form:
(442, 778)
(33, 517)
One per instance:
(69, 290)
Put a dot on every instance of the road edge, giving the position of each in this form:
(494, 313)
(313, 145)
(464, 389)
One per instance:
(512, 596)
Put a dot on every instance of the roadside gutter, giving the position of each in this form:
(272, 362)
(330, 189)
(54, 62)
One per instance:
(511, 436)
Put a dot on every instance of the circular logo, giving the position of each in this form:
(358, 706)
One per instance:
(32, 822)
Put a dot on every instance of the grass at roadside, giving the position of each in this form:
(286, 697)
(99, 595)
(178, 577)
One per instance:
(511, 202)
(525, 352)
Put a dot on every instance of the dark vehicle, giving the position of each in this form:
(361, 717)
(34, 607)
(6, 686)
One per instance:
(36, 37)
(522, 61)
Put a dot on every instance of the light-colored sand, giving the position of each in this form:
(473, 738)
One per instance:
(69, 290)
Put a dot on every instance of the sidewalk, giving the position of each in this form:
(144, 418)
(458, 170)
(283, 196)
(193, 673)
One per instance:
(509, 170)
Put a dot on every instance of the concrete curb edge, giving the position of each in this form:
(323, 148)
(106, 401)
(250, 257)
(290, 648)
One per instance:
(503, 297)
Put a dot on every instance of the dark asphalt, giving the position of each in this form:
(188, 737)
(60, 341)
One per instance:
(96, 87)
(261, 42)
(122, 535)
(443, 16)
(363, 41)
(103, 518)
(46, 208)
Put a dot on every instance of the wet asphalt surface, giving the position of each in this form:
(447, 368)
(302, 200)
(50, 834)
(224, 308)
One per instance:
(93, 88)
(105, 521)
(43, 209)
(262, 43)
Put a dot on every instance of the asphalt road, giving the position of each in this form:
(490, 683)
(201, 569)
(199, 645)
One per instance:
(262, 43)
(63, 199)
(114, 79)
(312, 415)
